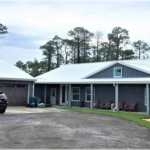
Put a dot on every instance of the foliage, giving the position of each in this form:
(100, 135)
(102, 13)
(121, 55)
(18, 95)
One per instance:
(3, 29)
(81, 38)
(48, 52)
(137, 118)
(140, 47)
(34, 68)
(83, 46)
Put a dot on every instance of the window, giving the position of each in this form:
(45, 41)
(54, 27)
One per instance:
(145, 92)
(118, 72)
(75, 93)
(88, 94)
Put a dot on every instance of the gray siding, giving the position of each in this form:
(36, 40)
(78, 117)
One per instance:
(103, 93)
(127, 72)
(133, 93)
(39, 91)
(82, 96)
(48, 96)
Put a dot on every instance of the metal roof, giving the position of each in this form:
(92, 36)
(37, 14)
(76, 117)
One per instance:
(11, 72)
(76, 73)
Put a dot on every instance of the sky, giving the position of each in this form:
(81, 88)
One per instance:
(32, 23)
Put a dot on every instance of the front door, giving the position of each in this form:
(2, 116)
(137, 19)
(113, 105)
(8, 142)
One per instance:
(63, 94)
(53, 96)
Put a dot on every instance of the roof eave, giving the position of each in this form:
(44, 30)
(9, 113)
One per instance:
(96, 82)
(18, 79)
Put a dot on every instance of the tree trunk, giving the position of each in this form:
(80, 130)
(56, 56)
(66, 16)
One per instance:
(97, 49)
(49, 63)
(78, 55)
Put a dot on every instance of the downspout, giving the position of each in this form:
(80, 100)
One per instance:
(116, 97)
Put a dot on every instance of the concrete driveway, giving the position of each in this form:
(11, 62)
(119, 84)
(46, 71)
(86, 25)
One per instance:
(65, 129)
(26, 110)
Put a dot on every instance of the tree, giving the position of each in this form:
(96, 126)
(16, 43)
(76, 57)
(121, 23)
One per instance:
(107, 51)
(85, 43)
(80, 37)
(68, 49)
(140, 47)
(48, 51)
(21, 65)
(57, 44)
(127, 54)
(98, 36)
(120, 38)
(3, 29)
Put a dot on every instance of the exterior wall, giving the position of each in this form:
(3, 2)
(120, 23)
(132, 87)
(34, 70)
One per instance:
(48, 94)
(133, 93)
(39, 91)
(127, 72)
(103, 93)
(30, 83)
(82, 96)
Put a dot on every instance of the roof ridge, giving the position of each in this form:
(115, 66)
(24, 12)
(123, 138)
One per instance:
(131, 60)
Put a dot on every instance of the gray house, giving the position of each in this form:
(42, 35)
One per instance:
(115, 81)
(16, 84)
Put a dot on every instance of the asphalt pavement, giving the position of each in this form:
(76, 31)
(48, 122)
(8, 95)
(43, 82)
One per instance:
(69, 130)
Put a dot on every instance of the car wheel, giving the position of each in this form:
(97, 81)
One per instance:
(2, 110)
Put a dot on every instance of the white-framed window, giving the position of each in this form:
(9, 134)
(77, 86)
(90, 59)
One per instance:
(75, 94)
(118, 72)
(145, 92)
(88, 94)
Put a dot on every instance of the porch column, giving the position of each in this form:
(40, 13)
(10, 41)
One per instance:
(60, 100)
(45, 91)
(116, 97)
(28, 93)
(147, 95)
(70, 96)
(33, 90)
(91, 96)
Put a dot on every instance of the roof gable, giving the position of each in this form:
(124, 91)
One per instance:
(127, 72)
(138, 67)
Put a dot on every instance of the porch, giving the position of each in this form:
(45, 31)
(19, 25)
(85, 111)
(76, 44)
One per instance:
(81, 94)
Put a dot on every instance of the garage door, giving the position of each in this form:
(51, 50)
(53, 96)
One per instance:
(17, 93)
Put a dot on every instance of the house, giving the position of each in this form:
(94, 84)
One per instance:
(16, 84)
(115, 81)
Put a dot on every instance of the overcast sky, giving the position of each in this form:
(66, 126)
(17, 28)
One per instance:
(32, 23)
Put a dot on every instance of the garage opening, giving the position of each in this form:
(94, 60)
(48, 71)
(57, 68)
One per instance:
(17, 93)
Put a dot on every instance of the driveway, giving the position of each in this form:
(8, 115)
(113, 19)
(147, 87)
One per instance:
(27, 110)
(65, 129)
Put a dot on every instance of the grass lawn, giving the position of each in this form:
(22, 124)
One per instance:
(129, 116)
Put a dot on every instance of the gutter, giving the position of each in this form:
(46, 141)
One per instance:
(133, 82)
(18, 79)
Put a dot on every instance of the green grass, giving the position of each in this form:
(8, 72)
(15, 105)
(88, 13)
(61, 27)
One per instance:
(129, 116)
